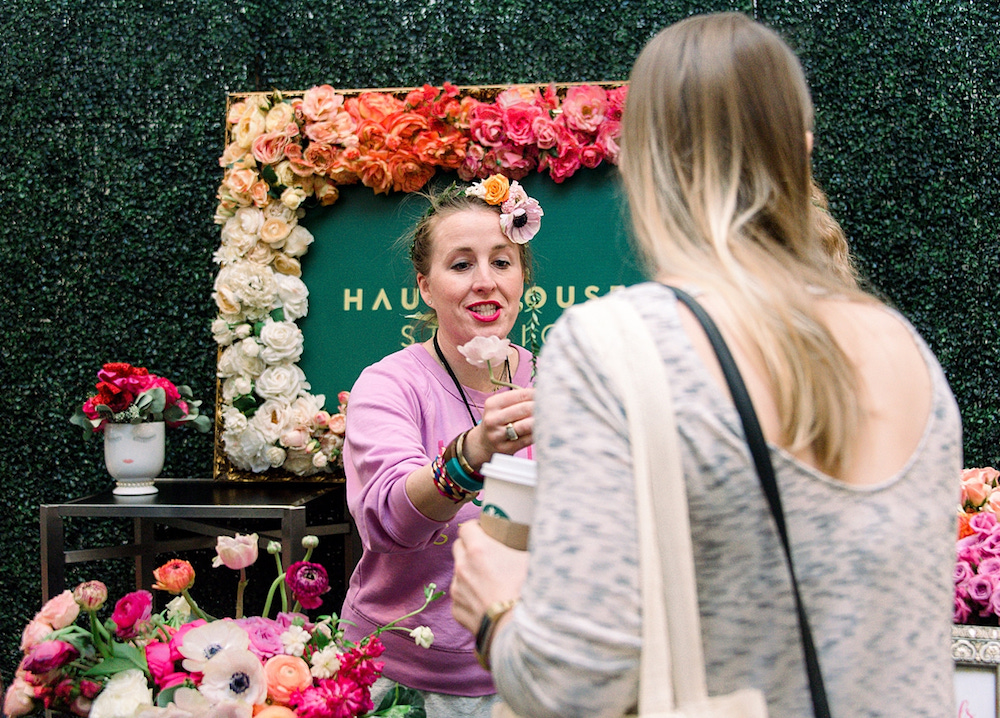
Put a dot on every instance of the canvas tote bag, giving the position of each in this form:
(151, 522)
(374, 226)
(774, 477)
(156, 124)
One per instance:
(672, 665)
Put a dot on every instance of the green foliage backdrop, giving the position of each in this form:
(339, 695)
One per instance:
(113, 122)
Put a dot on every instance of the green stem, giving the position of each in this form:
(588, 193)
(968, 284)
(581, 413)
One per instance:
(499, 382)
(428, 597)
(270, 594)
(99, 633)
(239, 592)
(194, 606)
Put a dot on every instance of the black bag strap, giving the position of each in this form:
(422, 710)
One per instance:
(765, 471)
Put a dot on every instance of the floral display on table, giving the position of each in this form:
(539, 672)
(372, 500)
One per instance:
(977, 569)
(129, 394)
(289, 153)
(182, 663)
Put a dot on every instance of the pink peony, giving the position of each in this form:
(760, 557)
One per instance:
(132, 614)
(585, 107)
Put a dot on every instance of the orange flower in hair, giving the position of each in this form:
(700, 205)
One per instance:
(492, 190)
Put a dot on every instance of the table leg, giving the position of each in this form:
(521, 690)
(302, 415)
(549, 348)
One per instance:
(145, 558)
(293, 528)
(53, 556)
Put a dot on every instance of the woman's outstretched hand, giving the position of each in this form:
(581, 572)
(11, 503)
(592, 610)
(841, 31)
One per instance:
(507, 426)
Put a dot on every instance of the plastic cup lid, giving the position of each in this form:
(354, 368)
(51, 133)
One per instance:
(510, 468)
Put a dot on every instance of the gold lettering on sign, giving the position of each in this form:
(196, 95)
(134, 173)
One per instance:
(565, 302)
(381, 299)
(591, 291)
(410, 303)
(350, 299)
(407, 332)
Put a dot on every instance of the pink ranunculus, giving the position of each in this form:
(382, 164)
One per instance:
(321, 103)
(34, 632)
(59, 611)
(90, 595)
(307, 582)
(235, 552)
(132, 613)
(163, 666)
(48, 656)
(486, 125)
(19, 699)
(585, 107)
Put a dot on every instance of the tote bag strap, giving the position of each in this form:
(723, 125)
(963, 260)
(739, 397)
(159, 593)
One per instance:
(671, 626)
(765, 472)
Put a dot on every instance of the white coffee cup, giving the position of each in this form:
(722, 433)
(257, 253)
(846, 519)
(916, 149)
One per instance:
(508, 499)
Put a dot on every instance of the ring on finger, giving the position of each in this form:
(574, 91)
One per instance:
(511, 434)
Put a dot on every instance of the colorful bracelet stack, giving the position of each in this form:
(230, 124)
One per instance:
(454, 477)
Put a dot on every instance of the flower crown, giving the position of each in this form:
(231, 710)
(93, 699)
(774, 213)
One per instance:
(520, 215)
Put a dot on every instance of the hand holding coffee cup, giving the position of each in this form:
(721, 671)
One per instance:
(508, 499)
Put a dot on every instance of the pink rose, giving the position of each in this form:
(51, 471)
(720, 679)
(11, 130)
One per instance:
(269, 148)
(515, 164)
(297, 438)
(265, 636)
(472, 165)
(608, 137)
(132, 613)
(546, 131)
(962, 611)
(337, 423)
(321, 103)
(60, 611)
(974, 492)
(616, 102)
(591, 155)
(562, 165)
(48, 656)
(982, 523)
(486, 125)
(584, 107)
(334, 131)
(518, 123)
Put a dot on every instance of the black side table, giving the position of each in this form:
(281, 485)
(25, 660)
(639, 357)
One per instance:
(191, 505)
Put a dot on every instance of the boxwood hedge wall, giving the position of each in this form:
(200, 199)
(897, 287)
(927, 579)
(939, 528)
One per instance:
(113, 123)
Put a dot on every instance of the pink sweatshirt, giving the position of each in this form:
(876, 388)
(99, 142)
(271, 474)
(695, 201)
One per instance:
(402, 411)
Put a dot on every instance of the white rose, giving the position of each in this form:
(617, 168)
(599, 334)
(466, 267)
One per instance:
(250, 219)
(282, 382)
(235, 235)
(298, 241)
(122, 696)
(247, 448)
(250, 347)
(226, 254)
(300, 463)
(236, 386)
(293, 295)
(277, 210)
(234, 420)
(282, 342)
(221, 332)
(271, 420)
(275, 456)
(243, 331)
(306, 407)
(235, 362)
(320, 460)
(254, 284)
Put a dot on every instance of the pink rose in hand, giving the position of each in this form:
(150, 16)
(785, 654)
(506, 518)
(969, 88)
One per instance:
(483, 351)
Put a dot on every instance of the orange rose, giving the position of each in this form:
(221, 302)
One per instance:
(326, 192)
(285, 675)
(963, 525)
(408, 173)
(374, 106)
(375, 173)
(496, 187)
(174, 576)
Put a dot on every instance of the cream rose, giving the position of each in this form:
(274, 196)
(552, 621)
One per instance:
(283, 264)
(251, 126)
(306, 407)
(297, 242)
(271, 420)
(279, 116)
(292, 197)
(262, 253)
(275, 230)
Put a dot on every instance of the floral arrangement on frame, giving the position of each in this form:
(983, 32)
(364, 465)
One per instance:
(183, 663)
(977, 566)
(285, 154)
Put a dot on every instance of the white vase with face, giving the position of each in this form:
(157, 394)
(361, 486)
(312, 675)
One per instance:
(133, 454)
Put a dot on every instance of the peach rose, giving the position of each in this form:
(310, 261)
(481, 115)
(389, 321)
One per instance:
(408, 173)
(337, 423)
(326, 192)
(300, 166)
(283, 264)
(274, 230)
(275, 712)
(376, 173)
(236, 111)
(403, 126)
(320, 157)
(259, 193)
(285, 675)
(269, 148)
(320, 103)
(374, 106)
(240, 180)
(59, 611)
(233, 154)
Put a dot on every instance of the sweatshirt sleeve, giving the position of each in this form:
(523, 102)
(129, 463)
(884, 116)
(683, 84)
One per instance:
(572, 645)
(385, 444)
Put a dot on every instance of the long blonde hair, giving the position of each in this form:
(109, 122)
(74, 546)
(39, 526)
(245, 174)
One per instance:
(716, 164)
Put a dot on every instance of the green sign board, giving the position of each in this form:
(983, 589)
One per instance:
(362, 287)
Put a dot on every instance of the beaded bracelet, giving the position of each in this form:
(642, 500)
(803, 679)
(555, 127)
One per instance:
(445, 485)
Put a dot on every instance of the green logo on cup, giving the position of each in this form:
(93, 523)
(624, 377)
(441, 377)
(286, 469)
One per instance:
(494, 510)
